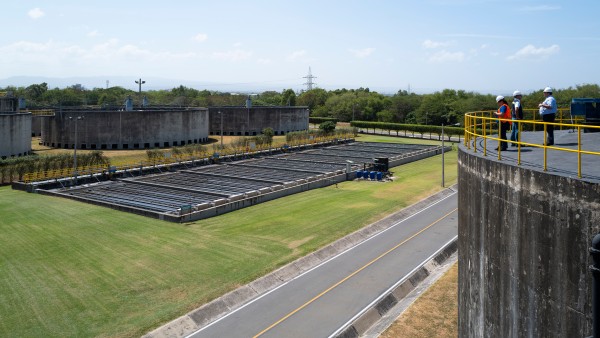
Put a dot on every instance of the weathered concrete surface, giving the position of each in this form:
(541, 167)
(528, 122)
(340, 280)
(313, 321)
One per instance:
(242, 121)
(523, 250)
(15, 134)
(138, 129)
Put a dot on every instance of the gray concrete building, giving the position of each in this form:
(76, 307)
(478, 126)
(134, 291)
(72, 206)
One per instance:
(15, 129)
(249, 121)
(121, 129)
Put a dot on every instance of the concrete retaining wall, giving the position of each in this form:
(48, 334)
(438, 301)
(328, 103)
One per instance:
(242, 121)
(139, 129)
(15, 134)
(523, 250)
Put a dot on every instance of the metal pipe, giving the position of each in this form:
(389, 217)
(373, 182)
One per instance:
(442, 155)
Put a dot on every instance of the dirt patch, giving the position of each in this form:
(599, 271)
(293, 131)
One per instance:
(296, 244)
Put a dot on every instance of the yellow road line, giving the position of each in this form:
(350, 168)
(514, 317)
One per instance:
(351, 275)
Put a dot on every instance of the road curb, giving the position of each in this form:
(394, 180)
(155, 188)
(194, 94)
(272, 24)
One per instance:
(373, 314)
(218, 308)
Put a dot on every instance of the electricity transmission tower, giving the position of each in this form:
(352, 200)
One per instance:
(309, 80)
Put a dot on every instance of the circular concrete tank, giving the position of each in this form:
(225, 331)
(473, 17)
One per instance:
(244, 121)
(524, 238)
(136, 129)
(15, 134)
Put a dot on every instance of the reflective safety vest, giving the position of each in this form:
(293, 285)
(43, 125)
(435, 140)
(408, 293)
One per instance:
(507, 114)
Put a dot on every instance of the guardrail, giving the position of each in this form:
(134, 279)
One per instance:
(483, 124)
(43, 112)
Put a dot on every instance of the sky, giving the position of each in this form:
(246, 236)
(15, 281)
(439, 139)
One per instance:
(485, 46)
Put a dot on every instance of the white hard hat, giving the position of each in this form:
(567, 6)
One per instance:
(547, 90)
(499, 98)
(517, 93)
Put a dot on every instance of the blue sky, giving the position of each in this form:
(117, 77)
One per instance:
(485, 46)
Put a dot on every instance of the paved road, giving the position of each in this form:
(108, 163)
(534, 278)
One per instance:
(322, 300)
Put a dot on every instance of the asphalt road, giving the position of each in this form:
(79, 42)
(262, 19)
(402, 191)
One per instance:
(321, 301)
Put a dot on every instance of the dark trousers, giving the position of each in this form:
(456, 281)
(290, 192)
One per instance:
(549, 128)
(504, 127)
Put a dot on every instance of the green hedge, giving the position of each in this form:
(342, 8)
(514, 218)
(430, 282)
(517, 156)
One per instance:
(409, 128)
(319, 120)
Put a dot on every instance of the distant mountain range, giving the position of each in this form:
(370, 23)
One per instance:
(156, 83)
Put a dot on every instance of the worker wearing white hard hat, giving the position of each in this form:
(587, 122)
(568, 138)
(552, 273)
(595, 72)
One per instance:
(548, 110)
(517, 114)
(504, 117)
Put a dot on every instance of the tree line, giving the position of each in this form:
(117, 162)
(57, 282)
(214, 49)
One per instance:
(343, 105)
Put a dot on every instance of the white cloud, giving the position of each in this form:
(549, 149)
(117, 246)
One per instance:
(532, 52)
(36, 13)
(296, 55)
(237, 44)
(539, 8)
(435, 44)
(201, 37)
(263, 61)
(53, 55)
(445, 56)
(362, 53)
(232, 55)
(93, 33)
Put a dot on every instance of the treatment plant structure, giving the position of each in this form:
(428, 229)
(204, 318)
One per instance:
(250, 121)
(141, 128)
(525, 227)
(15, 128)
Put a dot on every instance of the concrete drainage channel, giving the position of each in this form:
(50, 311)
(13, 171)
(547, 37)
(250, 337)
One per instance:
(195, 193)
(210, 312)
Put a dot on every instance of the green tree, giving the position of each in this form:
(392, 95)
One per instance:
(268, 98)
(327, 127)
(288, 98)
(36, 91)
(268, 134)
(313, 98)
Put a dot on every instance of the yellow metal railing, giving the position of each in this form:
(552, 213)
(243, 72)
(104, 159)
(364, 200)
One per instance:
(563, 116)
(43, 112)
(482, 124)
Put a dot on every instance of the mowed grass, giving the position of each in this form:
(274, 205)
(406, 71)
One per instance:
(72, 269)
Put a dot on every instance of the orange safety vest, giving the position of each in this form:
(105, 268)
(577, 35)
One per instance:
(507, 114)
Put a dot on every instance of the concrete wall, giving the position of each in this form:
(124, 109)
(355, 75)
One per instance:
(36, 126)
(139, 129)
(523, 250)
(242, 121)
(15, 134)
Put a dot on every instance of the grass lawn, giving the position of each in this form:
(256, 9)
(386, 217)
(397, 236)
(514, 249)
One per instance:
(75, 269)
